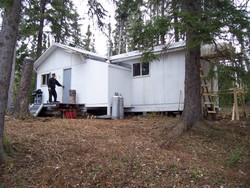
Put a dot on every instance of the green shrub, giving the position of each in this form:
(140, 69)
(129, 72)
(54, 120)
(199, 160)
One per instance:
(234, 156)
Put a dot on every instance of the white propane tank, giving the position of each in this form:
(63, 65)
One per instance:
(115, 106)
(121, 107)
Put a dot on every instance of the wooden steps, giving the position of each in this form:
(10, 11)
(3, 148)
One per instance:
(35, 109)
(208, 95)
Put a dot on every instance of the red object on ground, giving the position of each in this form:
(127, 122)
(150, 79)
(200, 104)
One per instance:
(69, 114)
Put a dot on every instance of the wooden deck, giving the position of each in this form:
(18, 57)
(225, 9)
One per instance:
(65, 110)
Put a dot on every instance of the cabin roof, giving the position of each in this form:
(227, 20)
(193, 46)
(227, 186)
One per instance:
(69, 49)
(113, 59)
(137, 54)
(125, 58)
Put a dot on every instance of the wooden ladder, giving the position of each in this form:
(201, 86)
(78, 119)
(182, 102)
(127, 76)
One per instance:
(208, 96)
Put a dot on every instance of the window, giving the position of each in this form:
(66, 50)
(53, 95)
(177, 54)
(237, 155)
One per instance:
(145, 68)
(136, 69)
(140, 69)
(45, 79)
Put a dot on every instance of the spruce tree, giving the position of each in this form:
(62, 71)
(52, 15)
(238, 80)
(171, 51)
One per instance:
(204, 22)
(8, 36)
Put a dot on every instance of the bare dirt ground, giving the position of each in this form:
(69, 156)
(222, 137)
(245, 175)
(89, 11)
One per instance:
(53, 152)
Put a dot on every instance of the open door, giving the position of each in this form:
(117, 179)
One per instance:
(67, 84)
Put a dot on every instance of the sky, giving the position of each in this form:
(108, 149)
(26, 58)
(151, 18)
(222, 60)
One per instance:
(100, 38)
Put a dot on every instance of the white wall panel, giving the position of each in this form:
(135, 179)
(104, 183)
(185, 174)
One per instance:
(120, 81)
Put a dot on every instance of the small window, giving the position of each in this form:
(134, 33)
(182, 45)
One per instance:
(140, 69)
(45, 79)
(145, 68)
(136, 69)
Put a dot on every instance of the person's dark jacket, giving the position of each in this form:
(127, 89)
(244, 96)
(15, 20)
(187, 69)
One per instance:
(52, 83)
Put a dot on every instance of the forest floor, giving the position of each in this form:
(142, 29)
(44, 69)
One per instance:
(54, 152)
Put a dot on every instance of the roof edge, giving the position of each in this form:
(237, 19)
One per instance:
(156, 50)
(54, 46)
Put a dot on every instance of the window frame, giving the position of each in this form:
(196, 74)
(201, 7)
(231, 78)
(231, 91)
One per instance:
(144, 69)
(45, 79)
(136, 69)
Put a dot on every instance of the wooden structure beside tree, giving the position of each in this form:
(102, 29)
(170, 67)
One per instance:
(221, 54)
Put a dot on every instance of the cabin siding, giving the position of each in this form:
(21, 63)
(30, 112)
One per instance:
(55, 63)
(96, 80)
(120, 81)
(163, 88)
(89, 77)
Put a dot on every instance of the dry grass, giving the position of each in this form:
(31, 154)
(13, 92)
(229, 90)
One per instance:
(49, 152)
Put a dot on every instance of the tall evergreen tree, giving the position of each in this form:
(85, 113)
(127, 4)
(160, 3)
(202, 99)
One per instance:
(8, 36)
(88, 41)
(40, 20)
(147, 24)
(110, 40)
(192, 101)
(42, 8)
(44, 18)
(175, 10)
(126, 10)
(77, 38)
(97, 12)
(204, 22)
(62, 15)
(200, 22)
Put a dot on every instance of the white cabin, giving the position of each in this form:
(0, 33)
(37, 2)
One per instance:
(146, 87)
(158, 86)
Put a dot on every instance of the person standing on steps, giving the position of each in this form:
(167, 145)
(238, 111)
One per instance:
(52, 87)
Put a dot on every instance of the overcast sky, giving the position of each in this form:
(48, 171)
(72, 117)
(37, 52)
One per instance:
(100, 38)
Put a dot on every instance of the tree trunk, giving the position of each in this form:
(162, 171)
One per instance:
(192, 112)
(120, 41)
(192, 102)
(247, 63)
(8, 36)
(162, 37)
(40, 33)
(11, 95)
(22, 97)
(246, 58)
(176, 29)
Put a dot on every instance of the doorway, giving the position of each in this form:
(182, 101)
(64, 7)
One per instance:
(67, 84)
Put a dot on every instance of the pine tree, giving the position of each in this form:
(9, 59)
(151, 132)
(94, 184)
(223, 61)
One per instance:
(88, 43)
(38, 23)
(126, 11)
(8, 38)
(44, 18)
(198, 22)
(203, 22)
